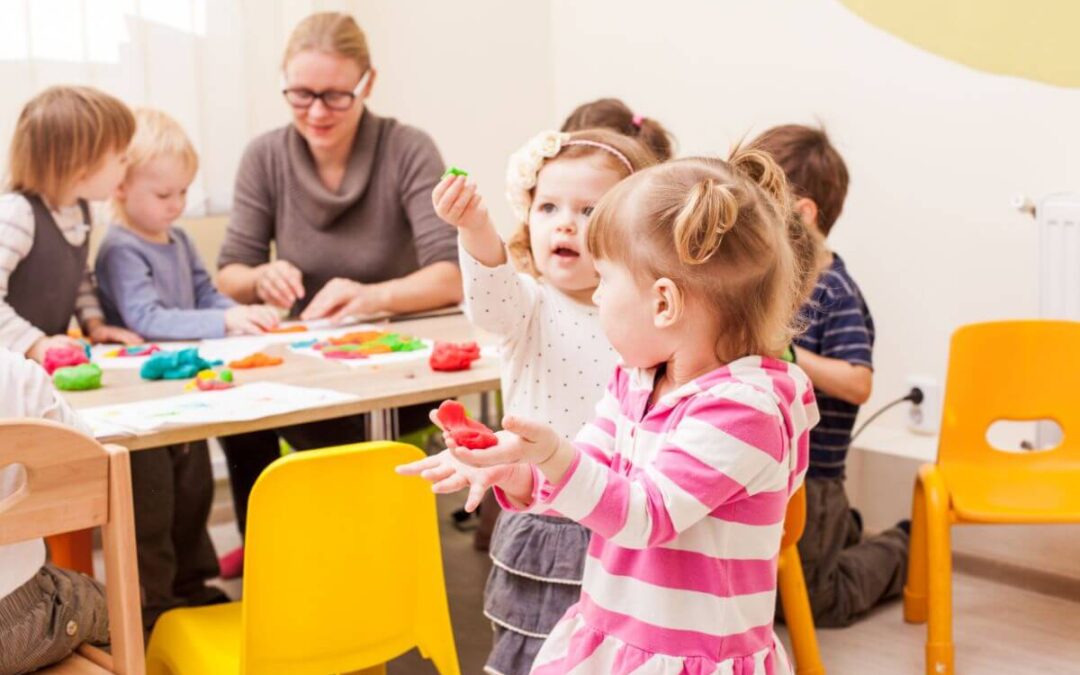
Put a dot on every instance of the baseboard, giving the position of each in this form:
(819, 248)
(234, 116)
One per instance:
(1019, 576)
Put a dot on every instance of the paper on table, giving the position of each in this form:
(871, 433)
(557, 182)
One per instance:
(373, 360)
(97, 355)
(246, 402)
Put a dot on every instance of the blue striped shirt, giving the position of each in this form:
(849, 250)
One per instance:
(839, 326)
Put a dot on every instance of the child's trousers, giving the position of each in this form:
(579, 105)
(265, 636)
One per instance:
(846, 576)
(173, 491)
(48, 617)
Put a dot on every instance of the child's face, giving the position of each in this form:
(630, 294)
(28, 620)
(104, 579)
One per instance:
(154, 195)
(566, 192)
(101, 183)
(627, 309)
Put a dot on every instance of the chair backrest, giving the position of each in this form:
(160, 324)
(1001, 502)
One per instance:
(342, 563)
(66, 482)
(1011, 370)
(795, 518)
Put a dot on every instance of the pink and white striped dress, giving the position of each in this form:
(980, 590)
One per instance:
(686, 503)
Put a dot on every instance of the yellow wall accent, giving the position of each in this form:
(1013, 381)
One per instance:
(1034, 39)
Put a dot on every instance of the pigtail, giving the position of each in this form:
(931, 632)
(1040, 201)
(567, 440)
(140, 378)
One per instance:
(763, 170)
(655, 137)
(710, 210)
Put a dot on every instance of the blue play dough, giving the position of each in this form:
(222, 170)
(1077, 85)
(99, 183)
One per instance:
(176, 365)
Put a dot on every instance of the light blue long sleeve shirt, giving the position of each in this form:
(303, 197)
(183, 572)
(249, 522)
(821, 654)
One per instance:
(160, 291)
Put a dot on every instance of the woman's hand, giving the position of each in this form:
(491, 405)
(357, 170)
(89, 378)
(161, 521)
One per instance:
(250, 319)
(343, 298)
(98, 332)
(457, 202)
(279, 283)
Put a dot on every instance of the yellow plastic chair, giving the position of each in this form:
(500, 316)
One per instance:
(792, 587)
(343, 572)
(1012, 370)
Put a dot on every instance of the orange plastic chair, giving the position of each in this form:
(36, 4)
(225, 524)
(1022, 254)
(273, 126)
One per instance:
(342, 572)
(792, 587)
(1011, 370)
(70, 482)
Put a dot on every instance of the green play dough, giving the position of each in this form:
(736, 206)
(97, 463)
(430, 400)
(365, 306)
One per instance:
(454, 171)
(78, 378)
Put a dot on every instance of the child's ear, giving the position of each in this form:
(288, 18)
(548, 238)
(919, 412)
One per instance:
(668, 303)
(808, 212)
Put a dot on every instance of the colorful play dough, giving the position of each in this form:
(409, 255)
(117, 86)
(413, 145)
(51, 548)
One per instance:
(468, 433)
(449, 356)
(211, 380)
(78, 378)
(256, 360)
(63, 357)
(175, 365)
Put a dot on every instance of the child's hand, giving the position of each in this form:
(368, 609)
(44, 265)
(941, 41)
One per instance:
(99, 332)
(47, 342)
(457, 202)
(250, 319)
(521, 441)
(446, 475)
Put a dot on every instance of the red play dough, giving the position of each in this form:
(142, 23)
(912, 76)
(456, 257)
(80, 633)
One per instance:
(63, 357)
(468, 433)
(448, 356)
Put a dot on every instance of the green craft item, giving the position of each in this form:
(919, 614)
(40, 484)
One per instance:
(78, 378)
(454, 171)
(396, 343)
(225, 375)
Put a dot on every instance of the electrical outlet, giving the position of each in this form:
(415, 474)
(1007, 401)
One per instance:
(925, 417)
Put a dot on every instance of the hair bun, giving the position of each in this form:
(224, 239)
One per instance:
(709, 212)
(760, 167)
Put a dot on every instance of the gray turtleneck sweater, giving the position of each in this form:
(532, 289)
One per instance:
(379, 225)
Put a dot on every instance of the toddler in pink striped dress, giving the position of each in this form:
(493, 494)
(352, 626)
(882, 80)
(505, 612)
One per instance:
(685, 473)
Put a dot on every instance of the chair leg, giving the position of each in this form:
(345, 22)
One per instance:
(939, 644)
(797, 613)
(915, 588)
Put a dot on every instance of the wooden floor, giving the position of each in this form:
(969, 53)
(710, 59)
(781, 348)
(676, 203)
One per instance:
(999, 629)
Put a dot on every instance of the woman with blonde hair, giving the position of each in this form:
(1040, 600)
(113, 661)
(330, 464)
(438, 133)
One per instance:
(344, 196)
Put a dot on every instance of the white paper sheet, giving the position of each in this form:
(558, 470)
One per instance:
(245, 402)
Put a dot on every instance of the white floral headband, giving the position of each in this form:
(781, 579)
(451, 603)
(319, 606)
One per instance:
(524, 165)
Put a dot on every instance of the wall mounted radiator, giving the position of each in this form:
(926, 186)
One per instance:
(1058, 220)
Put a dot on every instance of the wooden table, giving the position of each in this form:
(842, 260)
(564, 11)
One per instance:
(380, 389)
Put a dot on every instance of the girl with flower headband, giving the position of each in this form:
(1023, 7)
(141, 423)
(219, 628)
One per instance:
(555, 357)
(684, 475)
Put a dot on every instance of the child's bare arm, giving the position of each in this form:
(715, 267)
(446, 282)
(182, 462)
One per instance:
(458, 203)
(838, 378)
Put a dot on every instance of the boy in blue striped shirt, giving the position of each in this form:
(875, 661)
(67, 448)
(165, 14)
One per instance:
(846, 574)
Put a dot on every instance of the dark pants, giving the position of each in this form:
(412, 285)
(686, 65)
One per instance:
(845, 574)
(172, 491)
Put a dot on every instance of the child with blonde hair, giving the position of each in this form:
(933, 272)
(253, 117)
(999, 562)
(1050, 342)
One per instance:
(684, 475)
(151, 279)
(67, 150)
(555, 358)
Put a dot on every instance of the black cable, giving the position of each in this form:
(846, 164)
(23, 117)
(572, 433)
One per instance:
(914, 396)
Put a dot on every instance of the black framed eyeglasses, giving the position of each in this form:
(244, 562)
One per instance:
(334, 99)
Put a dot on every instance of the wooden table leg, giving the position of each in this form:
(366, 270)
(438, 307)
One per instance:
(73, 550)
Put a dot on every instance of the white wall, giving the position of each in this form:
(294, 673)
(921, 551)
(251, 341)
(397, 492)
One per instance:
(935, 149)
(475, 76)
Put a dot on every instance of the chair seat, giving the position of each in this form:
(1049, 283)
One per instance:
(197, 640)
(1000, 494)
(76, 664)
